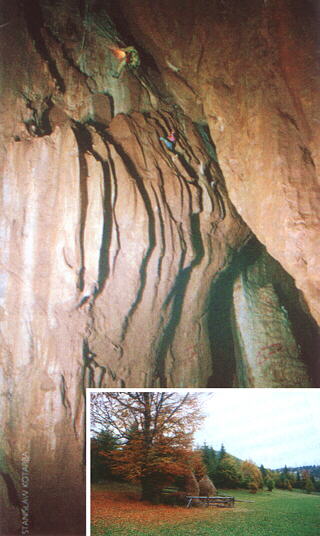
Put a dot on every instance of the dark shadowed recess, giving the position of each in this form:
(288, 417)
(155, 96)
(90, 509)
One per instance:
(118, 17)
(34, 20)
(204, 133)
(305, 329)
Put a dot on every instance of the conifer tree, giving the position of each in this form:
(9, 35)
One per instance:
(103, 441)
(222, 452)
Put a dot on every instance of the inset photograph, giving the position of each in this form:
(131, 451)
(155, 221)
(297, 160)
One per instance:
(203, 462)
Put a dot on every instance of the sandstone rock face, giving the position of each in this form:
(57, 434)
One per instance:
(267, 352)
(255, 70)
(121, 262)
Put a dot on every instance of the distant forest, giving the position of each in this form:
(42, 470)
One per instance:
(313, 470)
(227, 471)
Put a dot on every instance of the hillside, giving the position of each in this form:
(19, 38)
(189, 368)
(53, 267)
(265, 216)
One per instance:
(313, 470)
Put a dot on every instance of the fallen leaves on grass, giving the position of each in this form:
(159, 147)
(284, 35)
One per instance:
(115, 507)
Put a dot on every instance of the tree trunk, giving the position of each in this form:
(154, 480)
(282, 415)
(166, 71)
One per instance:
(149, 490)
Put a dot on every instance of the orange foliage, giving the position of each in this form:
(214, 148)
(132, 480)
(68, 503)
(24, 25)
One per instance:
(155, 432)
(252, 473)
(164, 465)
(132, 462)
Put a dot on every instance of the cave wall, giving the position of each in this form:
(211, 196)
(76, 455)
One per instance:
(266, 349)
(259, 326)
(113, 246)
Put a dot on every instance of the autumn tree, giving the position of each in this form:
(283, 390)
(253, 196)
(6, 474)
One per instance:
(309, 486)
(155, 433)
(252, 476)
(307, 483)
(227, 473)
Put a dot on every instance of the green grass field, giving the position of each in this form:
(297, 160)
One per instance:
(280, 513)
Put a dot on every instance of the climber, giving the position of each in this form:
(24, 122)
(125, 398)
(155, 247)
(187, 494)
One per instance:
(129, 58)
(170, 141)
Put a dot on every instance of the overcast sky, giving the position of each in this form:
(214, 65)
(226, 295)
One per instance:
(273, 427)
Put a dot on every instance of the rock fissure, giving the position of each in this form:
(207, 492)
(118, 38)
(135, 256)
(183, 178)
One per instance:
(83, 141)
(64, 395)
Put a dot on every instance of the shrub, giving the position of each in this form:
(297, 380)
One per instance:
(253, 486)
(270, 484)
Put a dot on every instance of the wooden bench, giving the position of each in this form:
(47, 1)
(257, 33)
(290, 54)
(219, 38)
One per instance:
(222, 502)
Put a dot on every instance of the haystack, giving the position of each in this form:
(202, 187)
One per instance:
(207, 487)
(191, 485)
